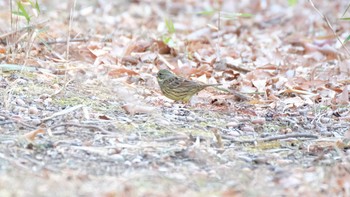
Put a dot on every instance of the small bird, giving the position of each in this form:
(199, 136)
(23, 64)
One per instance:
(178, 88)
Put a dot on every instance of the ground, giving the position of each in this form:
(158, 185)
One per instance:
(81, 112)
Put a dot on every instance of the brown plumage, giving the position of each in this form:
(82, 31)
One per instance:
(178, 88)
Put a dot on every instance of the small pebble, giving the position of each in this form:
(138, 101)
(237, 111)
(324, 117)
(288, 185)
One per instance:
(232, 124)
(56, 86)
(259, 121)
(127, 163)
(136, 160)
(242, 119)
(44, 96)
(36, 121)
(118, 158)
(21, 81)
(167, 104)
(325, 120)
(33, 110)
(247, 128)
(20, 102)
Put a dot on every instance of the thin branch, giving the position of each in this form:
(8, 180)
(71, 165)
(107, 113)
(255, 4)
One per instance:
(172, 138)
(272, 138)
(60, 113)
(64, 41)
(71, 16)
(82, 126)
(329, 25)
(347, 8)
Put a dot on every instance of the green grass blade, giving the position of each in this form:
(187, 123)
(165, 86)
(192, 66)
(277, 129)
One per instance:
(170, 26)
(22, 11)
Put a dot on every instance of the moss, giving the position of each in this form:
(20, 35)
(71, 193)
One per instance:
(72, 101)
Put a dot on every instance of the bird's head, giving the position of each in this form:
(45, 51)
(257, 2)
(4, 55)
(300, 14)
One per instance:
(164, 74)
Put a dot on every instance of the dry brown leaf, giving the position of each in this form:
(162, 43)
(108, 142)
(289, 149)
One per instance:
(334, 87)
(160, 47)
(328, 51)
(258, 74)
(292, 90)
(232, 192)
(202, 47)
(104, 117)
(257, 102)
(107, 59)
(203, 69)
(130, 60)
(184, 71)
(311, 85)
(97, 50)
(122, 71)
(138, 47)
(31, 135)
(2, 50)
(268, 67)
(247, 111)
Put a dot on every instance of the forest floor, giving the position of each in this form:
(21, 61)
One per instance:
(81, 112)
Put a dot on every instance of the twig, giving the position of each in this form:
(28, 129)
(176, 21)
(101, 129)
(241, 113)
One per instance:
(60, 113)
(82, 126)
(347, 8)
(63, 41)
(70, 28)
(268, 139)
(22, 68)
(329, 25)
(161, 58)
(172, 138)
(240, 69)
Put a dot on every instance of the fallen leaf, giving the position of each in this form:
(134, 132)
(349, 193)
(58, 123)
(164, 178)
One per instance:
(121, 71)
(137, 46)
(31, 135)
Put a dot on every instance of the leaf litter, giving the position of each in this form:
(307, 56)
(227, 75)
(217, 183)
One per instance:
(91, 120)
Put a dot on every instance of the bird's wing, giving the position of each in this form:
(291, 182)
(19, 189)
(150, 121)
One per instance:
(176, 82)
